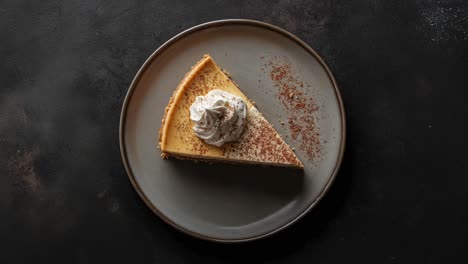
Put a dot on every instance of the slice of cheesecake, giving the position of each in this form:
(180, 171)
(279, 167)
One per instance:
(259, 143)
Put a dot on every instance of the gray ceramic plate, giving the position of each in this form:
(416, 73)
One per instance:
(233, 203)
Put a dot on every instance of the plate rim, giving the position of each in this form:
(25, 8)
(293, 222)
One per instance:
(160, 50)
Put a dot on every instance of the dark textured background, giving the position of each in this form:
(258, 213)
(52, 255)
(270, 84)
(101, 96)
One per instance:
(400, 197)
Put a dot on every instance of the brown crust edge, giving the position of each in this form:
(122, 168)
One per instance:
(231, 161)
(183, 83)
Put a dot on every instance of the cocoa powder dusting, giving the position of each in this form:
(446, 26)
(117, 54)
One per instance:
(299, 106)
(260, 144)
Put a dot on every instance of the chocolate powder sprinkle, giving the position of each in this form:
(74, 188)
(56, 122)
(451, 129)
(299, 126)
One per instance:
(300, 107)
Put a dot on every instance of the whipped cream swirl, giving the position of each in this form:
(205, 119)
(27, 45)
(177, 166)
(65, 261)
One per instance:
(219, 117)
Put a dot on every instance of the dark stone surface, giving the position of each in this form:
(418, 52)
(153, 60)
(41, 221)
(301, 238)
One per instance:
(400, 196)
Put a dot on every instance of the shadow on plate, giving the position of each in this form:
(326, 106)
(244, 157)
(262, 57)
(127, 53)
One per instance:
(234, 194)
(308, 231)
